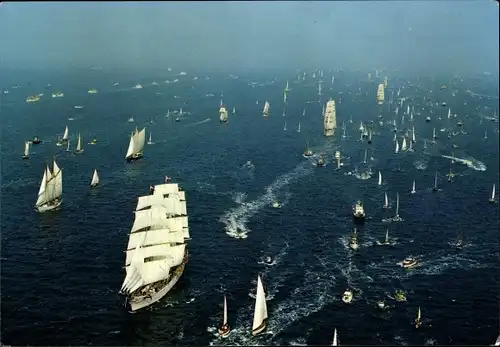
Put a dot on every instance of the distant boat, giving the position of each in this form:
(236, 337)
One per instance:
(150, 141)
(435, 188)
(136, 145)
(284, 128)
(418, 320)
(224, 329)
(335, 339)
(265, 111)
(403, 145)
(386, 201)
(298, 128)
(379, 178)
(50, 192)
(79, 148)
(413, 191)
(131, 120)
(223, 114)
(67, 147)
(329, 118)
(26, 154)
(92, 91)
(137, 86)
(353, 243)
(492, 199)
(397, 147)
(260, 312)
(358, 211)
(57, 95)
(36, 140)
(95, 179)
(380, 94)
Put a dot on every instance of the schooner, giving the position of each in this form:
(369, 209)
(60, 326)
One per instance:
(223, 113)
(156, 253)
(136, 145)
(380, 94)
(330, 118)
(50, 193)
(265, 112)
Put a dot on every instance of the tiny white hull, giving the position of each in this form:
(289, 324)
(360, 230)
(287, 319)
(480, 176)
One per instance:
(48, 207)
(347, 298)
(354, 246)
(147, 301)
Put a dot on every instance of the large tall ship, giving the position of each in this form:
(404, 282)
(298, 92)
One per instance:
(223, 113)
(265, 112)
(330, 118)
(380, 94)
(50, 193)
(136, 145)
(156, 253)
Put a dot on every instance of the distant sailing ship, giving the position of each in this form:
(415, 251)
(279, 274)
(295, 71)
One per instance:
(50, 193)
(265, 111)
(156, 253)
(95, 179)
(330, 118)
(380, 94)
(26, 154)
(223, 114)
(260, 312)
(136, 145)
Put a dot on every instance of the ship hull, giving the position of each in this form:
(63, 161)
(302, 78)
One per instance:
(47, 207)
(134, 158)
(147, 301)
(328, 132)
(358, 218)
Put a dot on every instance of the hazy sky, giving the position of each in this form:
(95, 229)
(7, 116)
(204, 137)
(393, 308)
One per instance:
(357, 34)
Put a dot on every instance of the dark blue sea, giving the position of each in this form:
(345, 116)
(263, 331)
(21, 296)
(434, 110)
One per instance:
(62, 270)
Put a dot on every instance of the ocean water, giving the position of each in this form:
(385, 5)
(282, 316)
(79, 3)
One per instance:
(61, 271)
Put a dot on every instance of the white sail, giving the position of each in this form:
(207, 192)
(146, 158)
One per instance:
(95, 178)
(66, 134)
(41, 192)
(225, 311)
(379, 178)
(366, 155)
(284, 128)
(413, 133)
(26, 148)
(397, 204)
(408, 109)
(265, 111)
(150, 138)
(156, 241)
(419, 314)
(493, 193)
(79, 144)
(223, 113)
(330, 118)
(403, 145)
(57, 176)
(397, 147)
(413, 188)
(386, 200)
(298, 128)
(67, 147)
(136, 144)
(380, 94)
(260, 312)
(449, 113)
(130, 149)
(335, 342)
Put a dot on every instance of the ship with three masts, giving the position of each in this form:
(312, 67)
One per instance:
(330, 118)
(223, 114)
(136, 145)
(380, 94)
(50, 193)
(156, 253)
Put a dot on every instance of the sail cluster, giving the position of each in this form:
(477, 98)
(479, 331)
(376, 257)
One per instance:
(380, 94)
(51, 186)
(330, 118)
(136, 144)
(157, 239)
(223, 113)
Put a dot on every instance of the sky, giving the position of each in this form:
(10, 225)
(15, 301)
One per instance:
(428, 35)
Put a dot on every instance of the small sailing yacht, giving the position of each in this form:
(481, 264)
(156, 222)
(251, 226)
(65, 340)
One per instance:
(284, 127)
(260, 312)
(413, 191)
(95, 179)
(67, 148)
(224, 329)
(397, 146)
(370, 137)
(418, 320)
(386, 201)
(335, 339)
(150, 141)
(387, 241)
(79, 149)
(435, 188)
(492, 199)
(379, 178)
(26, 154)
(397, 218)
(298, 129)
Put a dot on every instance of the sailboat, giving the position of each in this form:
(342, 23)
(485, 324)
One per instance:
(379, 178)
(298, 128)
(284, 97)
(223, 114)
(413, 134)
(26, 154)
(284, 128)
(136, 145)
(265, 111)
(397, 147)
(224, 329)
(234, 110)
(386, 201)
(418, 320)
(284, 113)
(303, 112)
(79, 149)
(435, 188)
(150, 141)
(95, 179)
(156, 253)
(413, 191)
(434, 137)
(260, 313)
(335, 339)
(286, 87)
(492, 199)
(370, 137)
(65, 135)
(50, 192)
(380, 94)
(329, 118)
(397, 218)
(364, 159)
(403, 145)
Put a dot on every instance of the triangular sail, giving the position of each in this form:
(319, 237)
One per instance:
(386, 200)
(26, 148)
(225, 311)
(95, 178)
(397, 204)
(66, 134)
(335, 342)
(130, 149)
(57, 176)
(79, 144)
(379, 178)
(41, 192)
(260, 313)
(493, 193)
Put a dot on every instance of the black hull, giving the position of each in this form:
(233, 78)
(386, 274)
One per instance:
(132, 159)
(25, 157)
(36, 142)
